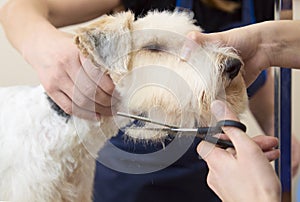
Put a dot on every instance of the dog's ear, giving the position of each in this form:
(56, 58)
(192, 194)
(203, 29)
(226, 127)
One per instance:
(107, 42)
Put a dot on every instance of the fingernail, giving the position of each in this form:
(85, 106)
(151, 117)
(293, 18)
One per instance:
(204, 148)
(218, 109)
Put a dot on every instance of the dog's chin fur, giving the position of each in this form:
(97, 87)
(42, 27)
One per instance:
(44, 157)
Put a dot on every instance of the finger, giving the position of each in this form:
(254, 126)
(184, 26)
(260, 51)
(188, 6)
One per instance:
(81, 102)
(222, 112)
(295, 168)
(231, 151)
(266, 143)
(65, 103)
(189, 46)
(86, 114)
(272, 154)
(238, 137)
(93, 92)
(62, 100)
(87, 87)
(100, 78)
(212, 154)
(202, 38)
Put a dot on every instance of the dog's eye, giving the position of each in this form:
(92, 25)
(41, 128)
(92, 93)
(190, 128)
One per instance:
(153, 47)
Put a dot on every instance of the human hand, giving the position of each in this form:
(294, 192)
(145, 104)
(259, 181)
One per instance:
(295, 155)
(268, 144)
(243, 40)
(71, 80)
(240, 174)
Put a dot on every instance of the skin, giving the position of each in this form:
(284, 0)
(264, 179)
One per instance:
(31, 26)
(262, 45)
(231, 176)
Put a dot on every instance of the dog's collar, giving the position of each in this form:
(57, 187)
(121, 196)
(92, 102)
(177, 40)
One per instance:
(57, 109)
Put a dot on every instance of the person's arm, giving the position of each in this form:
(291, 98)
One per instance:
(31, 26)
(24, 18)
(240, 174)
(262, 45)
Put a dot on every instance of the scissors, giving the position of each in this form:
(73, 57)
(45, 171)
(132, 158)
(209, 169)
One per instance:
(204, 133)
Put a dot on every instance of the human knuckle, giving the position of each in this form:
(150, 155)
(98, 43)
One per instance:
(103, 99)
(58, 74)
(62, 61)
(89, 90)
(50, 87)
(255, 149)
(109, 88)
(81, 101)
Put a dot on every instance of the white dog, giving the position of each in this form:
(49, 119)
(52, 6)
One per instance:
(47, 157)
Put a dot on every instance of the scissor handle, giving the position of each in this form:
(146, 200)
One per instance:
(224, 144)
(218, 128)
(232, 123)
(207, 131)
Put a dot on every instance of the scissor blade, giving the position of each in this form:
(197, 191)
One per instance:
(152, 129)
(184, 129)
(140, 118)
(168, 129)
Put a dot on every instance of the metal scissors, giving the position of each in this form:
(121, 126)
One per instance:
(204, 133)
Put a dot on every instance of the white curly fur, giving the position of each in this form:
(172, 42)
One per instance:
(43, 158)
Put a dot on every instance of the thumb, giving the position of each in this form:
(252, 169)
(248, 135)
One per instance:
(194, 39)
(222, 112)
(190, 45)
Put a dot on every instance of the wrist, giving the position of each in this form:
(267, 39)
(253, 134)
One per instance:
(37, 39)
(272, 196)
(281, 42)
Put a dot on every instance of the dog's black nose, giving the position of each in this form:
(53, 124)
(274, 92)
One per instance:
(232, 67)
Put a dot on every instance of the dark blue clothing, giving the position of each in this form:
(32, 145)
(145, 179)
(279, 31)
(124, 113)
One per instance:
(184, 180)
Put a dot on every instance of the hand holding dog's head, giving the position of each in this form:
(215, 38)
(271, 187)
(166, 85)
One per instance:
(107, 42)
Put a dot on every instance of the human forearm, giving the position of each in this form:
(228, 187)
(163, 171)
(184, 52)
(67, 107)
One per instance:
(262, 45)
(26, 20)
(280, 40)
(21, 20)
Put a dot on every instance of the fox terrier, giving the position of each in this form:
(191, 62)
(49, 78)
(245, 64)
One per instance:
(47, 155)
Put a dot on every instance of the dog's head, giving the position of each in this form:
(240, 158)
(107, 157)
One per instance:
(143, 58)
